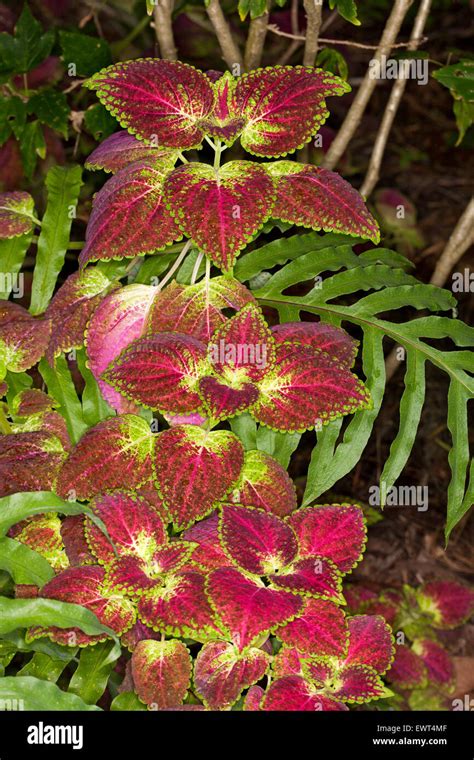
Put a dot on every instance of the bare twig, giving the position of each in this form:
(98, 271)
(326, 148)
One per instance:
(295, 29)
(359, 104)
(313, 12)
(230, 50)
(255, 42)
(350, 43)
(164, 29)
(391, 109)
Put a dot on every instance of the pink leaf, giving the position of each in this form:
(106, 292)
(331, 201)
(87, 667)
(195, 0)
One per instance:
(257, 541)
(121, 149)
(246, 607)
(265, 484)
(319, 630)
(77, 549)
(128, 216)
(295, 694)
(335, 531)
(306, 388)
(160, 372)
(161, 672)
(221, 401)
(313, 576)
(115, 454)
(16, 212)
(43, 535)
(284, 106)
(29, 462)
(370, 642)
(138, 632)
(407, 670)
(287, 662)
(195, 469)
(325, 337)
(32, 401)
(253, 699)
(156, 99)
(134, 575)
(209, 553)
(23, 338)
(223, 123)
(221, 673)
(438, 663)
(358, 683)
(450, 603)
(220, 210)
(313, 197)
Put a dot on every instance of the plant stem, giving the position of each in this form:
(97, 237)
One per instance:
(256, 41)
(196, 268)
(4, 424)
(164, 29)
(313, 25)
(230, 50)
(217, 155)
(175, 266)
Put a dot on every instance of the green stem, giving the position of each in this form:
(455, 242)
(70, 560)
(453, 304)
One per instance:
(4, 424)
(175, 266)
(217, 155)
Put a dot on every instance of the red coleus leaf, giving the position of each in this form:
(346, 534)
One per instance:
(77, 549)
(357, 683)
(407, 670)
(135, 575)
(29, 462)
(133, 526)
(221, 673)
(138, 632)
(179, 606)
(306, 388)
(370, 642)
(246, 607)
(115, 454)
(195, 469)
(328, 338)
(335, 531)
(32, 401)
(84, 585)
(287, 662)
(314, 197)
(128, 216)
(265, 484)
(320, 629)
(208, 553)
(197, 310)
(221, 401)
(43, 535)
(257, 541)
(223, 123)
(284, 106)
(72, 307)
(161, 672)
(160, 372)
(121, 149)
(253, 699)
(313, 576)
(221, 210)
(52, 423)
(438, 663)
(16, 214)
(294, 693)
(120, 318)
(157, 100)
(23, 338)
(356, 596)
(450, 603)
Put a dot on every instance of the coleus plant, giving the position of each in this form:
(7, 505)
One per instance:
(422, 672)
(182, 556)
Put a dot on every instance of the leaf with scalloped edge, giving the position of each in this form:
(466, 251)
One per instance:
(29, 462)
(156, 100)
(115, 454)
(208, 553)
(265, 484)
(197, 310)
(195, 469)
(71, 308)
(84, 586)
(221, 210)
(221, 401)
(179, 607)
(121, 149)
(23, 338)
(328, 338)
(120, 318)
(129, 217)
(257, 541)
(223, 123)
(74, 540)
(253, 699)
(370, 642)
(161, 672)
(313, 197)
(295, 694)
(307, 388)
(16, 214)
(32, 401)
(246, 607)
(160, 372)
(284, 107)
(438, 663)
(313, 576)
(138, 632)
(134, 575)
(221, 673)
(407, 670)
(134, 527)
(358, 684)
(287, 662)
(320, 629)
(336, 531)
(43, 534)
(449, 603)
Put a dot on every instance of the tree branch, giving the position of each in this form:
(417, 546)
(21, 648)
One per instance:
(391, 109)
(164, 29)
(359, 104)
(313, 12)
(230, 50)
(255, 42)
(461, 238)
